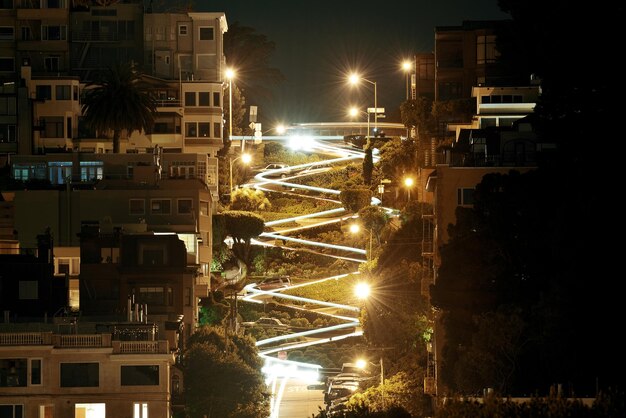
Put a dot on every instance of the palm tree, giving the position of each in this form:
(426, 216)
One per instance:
(117, 101)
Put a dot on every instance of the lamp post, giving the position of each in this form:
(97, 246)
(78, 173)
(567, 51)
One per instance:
(354, 112)
(354, 79)
(408, 182)
(407, 66)
(230, 74)
(246, 158)
(355, 229)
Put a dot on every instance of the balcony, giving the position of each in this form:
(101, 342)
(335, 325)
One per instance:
(73, 341)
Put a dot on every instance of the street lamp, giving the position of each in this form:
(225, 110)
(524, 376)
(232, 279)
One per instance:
(230, 74)
(362, 290)
(361, 364)
(354, 112)
(245, 158)
(354, 79)
(408, 182)
(355, 229)
(407, 66)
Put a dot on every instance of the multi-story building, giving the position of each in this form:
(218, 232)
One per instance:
(466, 56)
(423, 80)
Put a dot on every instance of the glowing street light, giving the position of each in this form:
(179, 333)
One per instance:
(230, 74)
(407, 66)
(354, 112)
(245, 158)
(362, 290)
(355, 229)
(354, 79)
(408, 182)
(280, 129)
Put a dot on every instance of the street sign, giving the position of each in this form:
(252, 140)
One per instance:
(376, 110)
(253, 113)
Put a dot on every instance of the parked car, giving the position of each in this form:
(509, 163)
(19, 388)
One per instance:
(265, 323)
(269, 170)
(274, 283)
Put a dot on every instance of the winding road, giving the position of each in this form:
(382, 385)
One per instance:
(280, 372)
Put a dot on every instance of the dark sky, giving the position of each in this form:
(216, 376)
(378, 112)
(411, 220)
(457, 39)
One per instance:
(319, 42)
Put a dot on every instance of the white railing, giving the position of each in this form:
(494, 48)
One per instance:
(130, 347)
(79, 340)
(21, 338)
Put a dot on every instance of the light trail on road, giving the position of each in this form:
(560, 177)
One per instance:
(285, 369)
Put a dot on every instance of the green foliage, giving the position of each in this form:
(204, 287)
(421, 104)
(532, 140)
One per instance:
(249, 199)
(460, 110)
(368, 167)
(223, 377)
(397, 160)
(551, 407)
(418, 113)
(243, 227)
(355, 199)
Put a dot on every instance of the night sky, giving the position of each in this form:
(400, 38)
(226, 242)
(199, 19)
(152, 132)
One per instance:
(319, 42)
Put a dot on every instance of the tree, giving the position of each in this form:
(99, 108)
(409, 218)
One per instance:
(250, 53)
(355, 199)
(368, 167)
(243, 226)
(249, 199)
(418, 114)
(118, 101)
(223, 378)
(373, 218)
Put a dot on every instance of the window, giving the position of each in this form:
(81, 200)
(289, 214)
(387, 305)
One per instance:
(140, 410)
(51, 63)
(155, 296)
(53, 33)
(217, 130)
(91, 170)
(486, 51)
(191, 129)
(465, 196)
(53, 127)
(204, 208)
(90, 410)
(80, 375)
(7, 64)
(206, 33)
(27, 34)
(160, 206)
(43, 92)
(7, 132)
(11, 411)
(7, 106)
(28, 290)
(182, 30)
(184, 206)
(35, 372)
(216, 99)
(63, 93)
(203, 129)
(140, 375)
(6, 4)
(449, 90)
(7, 33)
(203, 99)
(59, 171)
(54, 4)
(190, 98)
(137, 206)
(67, 265)
(13, 372)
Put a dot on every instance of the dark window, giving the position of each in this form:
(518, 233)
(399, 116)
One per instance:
(137, 206)
(485, 99)
(80, 375)
(43, 92)
(63, 92)
(190, 98)
(27, 34)
(191, 129)
(217, 130)
(203, 99)
(184, 206)
(153, 257)
(140, 375)
(11, 411)
(216, 100)
(206, 34)
(465, 196)
(35, 372)
(160, 207)
(203, 129)
(7, 33)
(13, 372)
(182, 30)
(6, 4)
(53, 127)
(7, 64)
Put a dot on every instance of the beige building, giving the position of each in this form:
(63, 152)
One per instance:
(75, 372)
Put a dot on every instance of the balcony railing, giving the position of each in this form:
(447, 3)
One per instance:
(83, 341)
